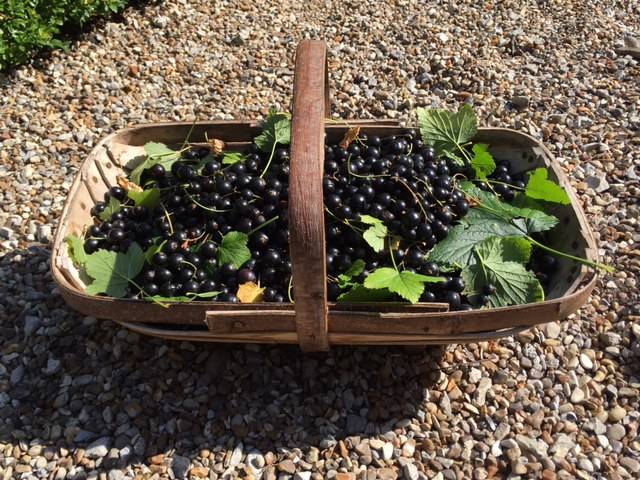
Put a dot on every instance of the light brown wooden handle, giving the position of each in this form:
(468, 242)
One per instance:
(306, 206)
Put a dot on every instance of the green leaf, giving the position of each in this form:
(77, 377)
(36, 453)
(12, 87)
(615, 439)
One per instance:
(493, 263)
(232, 158)
(491, 207)
(76, 249)
(359, 293)
(276, 128)
(356, 268)
(447, 130)
(112, 271)
(452, 156)
(482, 161)
(152, 250)
(408, 285)
(112, 207)
(147, 198)
(457, 247)
(516, 249)
(189, 297)
(374, 235)
(233, 249)
(157, 153)
(539, 187)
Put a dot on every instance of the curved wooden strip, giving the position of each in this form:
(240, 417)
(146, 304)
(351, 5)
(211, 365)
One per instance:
(335, 338)
(306, 211)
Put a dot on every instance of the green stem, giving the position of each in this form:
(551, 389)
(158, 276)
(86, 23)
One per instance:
(361, 176)
(343, 221)
(262, 225)
(186, 140)
(204, 207)
(393, 260)
(273, 151)
(584, 261)
(503, 183)
(168, 217)
(417, 197)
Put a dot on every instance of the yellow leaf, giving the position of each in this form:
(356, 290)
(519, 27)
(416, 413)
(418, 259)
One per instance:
(128, 185)
(350, 137)
(216, 145)
(250, 292)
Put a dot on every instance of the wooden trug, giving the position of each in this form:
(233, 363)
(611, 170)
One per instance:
(312, 322)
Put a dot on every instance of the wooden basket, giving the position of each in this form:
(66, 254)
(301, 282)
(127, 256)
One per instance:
(312, 322)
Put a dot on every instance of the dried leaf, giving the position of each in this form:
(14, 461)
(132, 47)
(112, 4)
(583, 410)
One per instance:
(216, 145)
(128, 185)
(250, 292)
(350, 137)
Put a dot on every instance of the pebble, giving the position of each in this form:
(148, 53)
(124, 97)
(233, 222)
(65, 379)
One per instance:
(520, 101)
(586, 362)
(410, 471)
(98, 448)
(31, 325)
(616, 432)
(387, 451)
(617, 413)
(630, 464)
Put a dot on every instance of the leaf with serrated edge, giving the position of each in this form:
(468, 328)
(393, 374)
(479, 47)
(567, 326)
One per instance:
(232, 158)
(447, 130)
(516, 249)
(112, 207)
(147, 198)
(356, 268)
(457, 247)
(374, 235)
(408, 285)
(514, 284)
(359, 293)
(482, 161)
(276, 128)
(112, 271)
(75, 246)
(157, 153)
(250, 292)
(491, 207)
(539, 187)
(233, 249)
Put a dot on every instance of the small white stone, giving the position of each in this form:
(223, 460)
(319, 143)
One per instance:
(387, 451)
(586, 362)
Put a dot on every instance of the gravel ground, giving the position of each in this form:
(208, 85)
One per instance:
(81, 398)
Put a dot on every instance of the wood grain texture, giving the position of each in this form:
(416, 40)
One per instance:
(334, 338)
(306, 205)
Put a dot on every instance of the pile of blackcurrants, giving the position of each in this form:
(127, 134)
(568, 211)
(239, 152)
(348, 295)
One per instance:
(397, 180)
(401, 182)
(202, 200)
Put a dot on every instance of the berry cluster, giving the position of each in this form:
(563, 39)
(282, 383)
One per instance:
(400, 181)
(397, 180)
(202, 200)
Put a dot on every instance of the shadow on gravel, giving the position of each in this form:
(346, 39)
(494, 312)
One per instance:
(71, 381)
